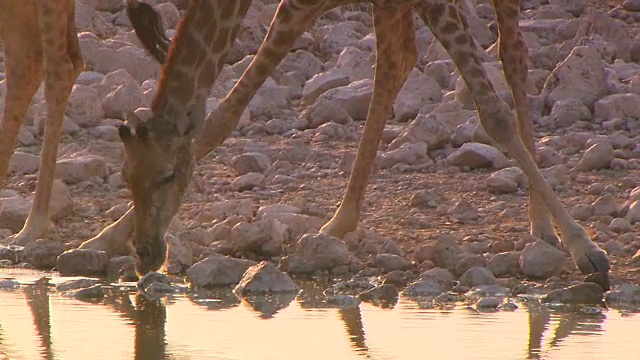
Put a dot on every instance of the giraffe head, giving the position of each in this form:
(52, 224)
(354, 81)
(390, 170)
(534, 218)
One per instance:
(158, 167)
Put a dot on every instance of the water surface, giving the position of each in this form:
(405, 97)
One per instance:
(36, 322)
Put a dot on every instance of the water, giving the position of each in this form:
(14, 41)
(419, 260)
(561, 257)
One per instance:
(38, 323)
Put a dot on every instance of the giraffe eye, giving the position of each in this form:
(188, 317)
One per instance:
(167, 179)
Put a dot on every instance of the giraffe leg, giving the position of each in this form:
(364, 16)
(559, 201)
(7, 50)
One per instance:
(63, 63)
(290, 21)
(514, 56)
(24, 73)
(449, 26)
(396, 55)
(115, 238)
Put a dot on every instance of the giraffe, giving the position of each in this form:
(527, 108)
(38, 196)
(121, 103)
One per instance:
(40, 43)
(396, 55)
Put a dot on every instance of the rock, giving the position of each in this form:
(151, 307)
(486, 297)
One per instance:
(417, 91)
(227, 208)
(541, 260)
(179, 255)
(573, 7)
(321, 83)
(477, 155)
(76, 284)
(580, 76)
(633, 214)
(446, 253)
(622, 106)
(620, 225)
(583, 293)
(13, 253)
(93, 293)
(7, 284)
(383, 296)
(566, 112)
(217, 270)
(122, 267)
(42, 253)
(343, 301)
(392, 262)
(84, 106)
(428, 129)
(504, 263)
(78, 169)
(354, 98)
(605, 205)
(83, 262)
(477, 276)
(469, 261)
(296, 224)
(23, 163)
(13, 212)
(624, 294)
(317, 252)
(250, 162)
(391, 247)
(264, 278)
(488, 303)
(322, 112)
(432, 282)
(265, 237)
(598, 156)
(410, 154)
(247, 181)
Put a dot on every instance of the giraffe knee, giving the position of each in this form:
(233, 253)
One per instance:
(499, 124)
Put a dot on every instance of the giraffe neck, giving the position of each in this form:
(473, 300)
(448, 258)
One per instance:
(195, 59)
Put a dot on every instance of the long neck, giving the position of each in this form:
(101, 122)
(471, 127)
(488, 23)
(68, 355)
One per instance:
(195, 59)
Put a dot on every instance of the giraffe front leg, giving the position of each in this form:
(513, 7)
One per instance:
(396, 55)
(291, 20)
(115, 238)
(514, 56)
(63, 63)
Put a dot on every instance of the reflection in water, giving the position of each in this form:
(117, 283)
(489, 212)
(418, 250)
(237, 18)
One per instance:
(352, 319)
(150, 338)
(147, 318)
(37, 295)
(568, 323)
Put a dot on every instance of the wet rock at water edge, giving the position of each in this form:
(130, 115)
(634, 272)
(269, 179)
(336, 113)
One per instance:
(349, 287)
(583, 293)
(8, 284)
(122, 268)
(488, 303)
(385, 296)
(343, 301)
(93, 293)
(317, 252)
(217, 270)
(507, 306)
(13, 253)
(152, 278)
(42, 253)
(624, 294)
(76, 284)
(84, 262)
(264, 278)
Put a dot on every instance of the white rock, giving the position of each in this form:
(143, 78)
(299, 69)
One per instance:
(250, 162)
(354, 98)
(264, 278)
(78, 169)
(418, 91)
(410, 154)
(264, 237)
(598, 156)
(84, 106)
(123, 99)
(247, 181)
(227, 208)
(322, 82)
(539, 259)
(476, 155)
(580, 76)
(24, 163)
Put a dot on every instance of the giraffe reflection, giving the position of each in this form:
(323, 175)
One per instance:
(149, 318)
(147, 315)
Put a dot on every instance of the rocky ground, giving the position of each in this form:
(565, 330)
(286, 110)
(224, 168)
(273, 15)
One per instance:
(442, 195)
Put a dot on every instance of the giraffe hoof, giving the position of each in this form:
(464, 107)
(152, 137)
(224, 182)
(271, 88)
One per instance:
(596, 264)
